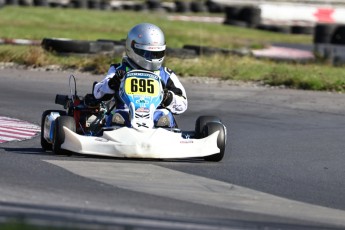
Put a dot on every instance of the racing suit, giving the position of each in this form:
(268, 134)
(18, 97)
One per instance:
(170, 82)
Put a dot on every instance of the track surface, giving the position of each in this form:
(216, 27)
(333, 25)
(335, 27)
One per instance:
(284, 166)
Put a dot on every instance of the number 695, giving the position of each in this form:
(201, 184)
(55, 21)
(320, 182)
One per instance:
(142, 85)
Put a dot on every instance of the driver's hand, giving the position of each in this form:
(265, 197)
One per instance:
(115, 82)
(167, 98)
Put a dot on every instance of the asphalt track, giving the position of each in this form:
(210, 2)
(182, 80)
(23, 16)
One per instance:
(283, 167)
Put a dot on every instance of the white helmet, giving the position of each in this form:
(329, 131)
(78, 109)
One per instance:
(145, 46)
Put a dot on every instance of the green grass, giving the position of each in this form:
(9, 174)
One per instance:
(37, 23)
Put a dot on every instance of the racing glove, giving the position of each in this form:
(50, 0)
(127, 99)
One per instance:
(115, 82)
(167, 98)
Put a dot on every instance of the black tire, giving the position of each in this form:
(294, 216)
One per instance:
(338, 36)
(323, 33)
(79, 4)
(197, 6)
(302, 29)
(182, 6)
(121, 42)
(76, 46)
(232, 12)
(25, 2)
(201, 122)
(250, 15)
(44, 143)
(279, 29)
(205, 50)
(65, 46)
(154, 4)
(209, 129)
(104, 5)
(140, 7)
(214, 7)
(12, 2)
(181, 53)
(40, 3)
(59, 134)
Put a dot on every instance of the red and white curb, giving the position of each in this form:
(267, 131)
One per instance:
(283, 53)
(12, 129)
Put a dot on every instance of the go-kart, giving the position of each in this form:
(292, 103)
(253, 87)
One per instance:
(83, 126)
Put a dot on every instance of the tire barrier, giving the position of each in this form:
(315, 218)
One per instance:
(250, 15)
(329, 43)
(323, 33)
(302, 29)
(182, 6)
(181, 53)
(232, 12)
(11, 2)
(76, 46)
(197, 6)
(117, 48)
(40, 3)
(205, 50)
(243, 16)
(214, 7)
(338, 36)
(179, 6)
(275, 28)
(154, 5)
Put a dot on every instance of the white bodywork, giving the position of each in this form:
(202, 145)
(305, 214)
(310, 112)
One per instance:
(132, 143)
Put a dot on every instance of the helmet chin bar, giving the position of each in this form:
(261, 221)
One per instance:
(152, 65)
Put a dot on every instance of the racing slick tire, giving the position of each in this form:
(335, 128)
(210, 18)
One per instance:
(210, 128)
(201, 122)
(59, 134)
(44, 143)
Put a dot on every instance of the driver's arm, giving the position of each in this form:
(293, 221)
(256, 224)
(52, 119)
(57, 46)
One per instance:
(102, 88)
(179, 101)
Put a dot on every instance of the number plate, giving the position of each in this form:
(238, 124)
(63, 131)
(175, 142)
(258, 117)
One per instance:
(142, 86)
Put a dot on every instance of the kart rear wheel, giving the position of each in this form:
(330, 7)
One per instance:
(59, 134)
(201, 122)
(44, 143)
(209, 129)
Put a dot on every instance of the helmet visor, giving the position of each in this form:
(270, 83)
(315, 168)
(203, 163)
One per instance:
(149, 52)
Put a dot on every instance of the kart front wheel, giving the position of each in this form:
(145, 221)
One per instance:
(211, 128)
(201, 122)
(44, 143)
(59, 134)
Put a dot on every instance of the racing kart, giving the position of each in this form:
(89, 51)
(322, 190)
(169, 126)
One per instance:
(83, 126)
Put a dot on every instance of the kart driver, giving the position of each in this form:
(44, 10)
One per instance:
(145, 49)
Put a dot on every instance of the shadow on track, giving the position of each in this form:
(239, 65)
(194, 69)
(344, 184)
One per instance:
(75, 156)
(26, 150)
